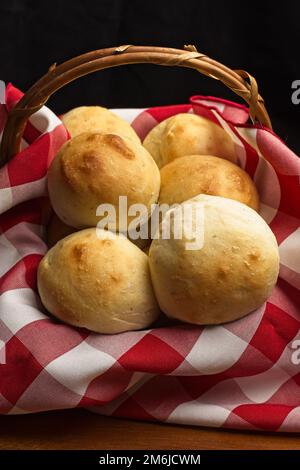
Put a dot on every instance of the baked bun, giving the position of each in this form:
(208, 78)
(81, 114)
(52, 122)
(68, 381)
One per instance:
(188, 134)
(153, 141)
(97, 119)
(93, 169)
(230, 276)
(188, 176)
(56, 230)
(98, 280)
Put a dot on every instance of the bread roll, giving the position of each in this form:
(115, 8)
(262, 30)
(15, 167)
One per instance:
(230, 276)
(188, 134)
(98, 280)
(153, 142)
(191, 175)
(93, 169)
(97, 119)
(56, 230)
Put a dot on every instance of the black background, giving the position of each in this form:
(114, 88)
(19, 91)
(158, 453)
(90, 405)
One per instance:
(261, 37)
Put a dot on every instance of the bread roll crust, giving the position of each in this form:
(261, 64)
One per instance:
(98, 280)
(153, 140)
(229, 277)
(188, 176)
(188, 134)
(93, 169)
(97, 119)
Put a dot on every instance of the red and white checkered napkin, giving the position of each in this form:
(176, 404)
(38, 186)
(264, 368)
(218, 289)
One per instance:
(245, 374)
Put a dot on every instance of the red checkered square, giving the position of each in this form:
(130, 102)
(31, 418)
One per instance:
(19, 371)
(131, 409)
(262, 416)
(151, 355)
(160, 395)
(275, 319)
(109, 385)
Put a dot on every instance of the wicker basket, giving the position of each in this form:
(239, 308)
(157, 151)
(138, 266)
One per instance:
(239, 81)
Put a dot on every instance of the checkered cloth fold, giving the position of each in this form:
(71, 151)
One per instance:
(245, 374)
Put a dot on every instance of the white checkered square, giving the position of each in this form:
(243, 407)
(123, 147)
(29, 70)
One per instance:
(78, 367)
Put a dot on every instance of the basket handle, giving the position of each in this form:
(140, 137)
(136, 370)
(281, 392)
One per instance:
(239, 81)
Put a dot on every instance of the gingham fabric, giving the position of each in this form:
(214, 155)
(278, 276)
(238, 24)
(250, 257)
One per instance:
(245, 374)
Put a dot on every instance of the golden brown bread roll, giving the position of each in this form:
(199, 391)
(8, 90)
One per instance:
(98, 280)
(97, 119)
(188, 134)
(191, 175)
(93, 169)
(230, 276)
(153, 142)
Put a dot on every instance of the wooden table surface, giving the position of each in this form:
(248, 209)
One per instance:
(80, 429)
